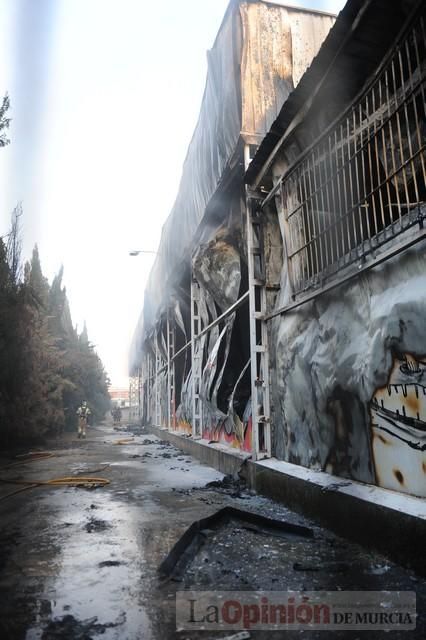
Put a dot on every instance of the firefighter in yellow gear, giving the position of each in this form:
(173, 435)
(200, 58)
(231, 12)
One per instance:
(83, 414)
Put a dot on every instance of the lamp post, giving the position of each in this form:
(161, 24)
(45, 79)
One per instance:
(136, 252)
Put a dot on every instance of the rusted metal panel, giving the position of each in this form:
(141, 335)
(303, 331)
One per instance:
(279, 43)
(308, 32)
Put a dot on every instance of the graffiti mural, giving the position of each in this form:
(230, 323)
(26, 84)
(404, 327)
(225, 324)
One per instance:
(398, 422)
(182, 426)
(238, 434)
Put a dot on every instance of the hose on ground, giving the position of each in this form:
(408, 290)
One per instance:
(86, 482)
(68, 481)
(32, 456)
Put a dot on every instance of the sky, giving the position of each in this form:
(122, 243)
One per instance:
(105, 95)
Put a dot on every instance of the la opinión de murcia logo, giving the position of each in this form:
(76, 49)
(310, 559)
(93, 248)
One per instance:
(380, 610)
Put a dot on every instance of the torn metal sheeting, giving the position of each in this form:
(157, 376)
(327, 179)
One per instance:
(260, 53)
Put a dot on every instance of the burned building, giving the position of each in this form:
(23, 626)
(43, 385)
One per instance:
(192, 343)
(285, 314)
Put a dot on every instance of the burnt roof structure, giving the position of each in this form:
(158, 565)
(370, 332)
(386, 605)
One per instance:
(357, 43)
(259, 55)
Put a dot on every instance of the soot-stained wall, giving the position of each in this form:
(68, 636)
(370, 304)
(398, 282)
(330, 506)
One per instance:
(349, 377)
(220, 270)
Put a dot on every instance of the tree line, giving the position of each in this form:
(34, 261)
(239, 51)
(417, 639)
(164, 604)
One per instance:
(47, 367)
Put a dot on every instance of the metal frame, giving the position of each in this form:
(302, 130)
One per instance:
(259, 348)
(220, 318)
(196, 333)
(141, 395)
(149, 388)
(415, 236)
(158, 366)
(196, 360)
(171, 408)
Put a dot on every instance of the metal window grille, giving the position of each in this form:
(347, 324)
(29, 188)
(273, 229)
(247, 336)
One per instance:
(363, 182)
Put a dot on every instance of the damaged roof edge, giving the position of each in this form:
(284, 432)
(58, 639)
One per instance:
(210, 158)
(332, 52)
(294, 7)
(312, 78)
(276, 3)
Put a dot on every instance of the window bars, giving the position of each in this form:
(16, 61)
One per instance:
(363, 182)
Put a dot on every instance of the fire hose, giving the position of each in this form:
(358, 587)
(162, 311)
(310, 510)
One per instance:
(67, 481)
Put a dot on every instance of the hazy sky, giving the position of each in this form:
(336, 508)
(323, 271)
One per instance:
(104, 96)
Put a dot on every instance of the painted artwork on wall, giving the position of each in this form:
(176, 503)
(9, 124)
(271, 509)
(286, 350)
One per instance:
(238, 437)
(398, 422)
(182, 426)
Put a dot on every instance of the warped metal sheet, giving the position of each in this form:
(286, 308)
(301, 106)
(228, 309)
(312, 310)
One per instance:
(257, 58)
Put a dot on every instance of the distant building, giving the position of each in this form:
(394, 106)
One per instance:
(119, 396)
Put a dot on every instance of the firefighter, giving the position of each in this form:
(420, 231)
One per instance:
(83, 414)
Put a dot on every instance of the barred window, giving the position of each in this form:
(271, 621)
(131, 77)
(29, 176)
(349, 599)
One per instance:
(363, 182)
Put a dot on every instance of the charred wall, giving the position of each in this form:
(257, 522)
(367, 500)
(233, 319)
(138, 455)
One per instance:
(349, 378)
(220, 270)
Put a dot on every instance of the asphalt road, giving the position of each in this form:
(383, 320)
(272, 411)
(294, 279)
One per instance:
(79, 563)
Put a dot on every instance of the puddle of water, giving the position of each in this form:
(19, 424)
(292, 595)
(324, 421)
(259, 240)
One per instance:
(99, 573)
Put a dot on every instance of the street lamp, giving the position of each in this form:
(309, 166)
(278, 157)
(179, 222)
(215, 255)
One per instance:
(138, 251)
